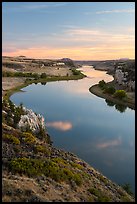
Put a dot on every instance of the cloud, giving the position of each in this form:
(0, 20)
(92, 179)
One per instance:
(27, 7)
(43, 6)
(101, 52)
(111, 143)
(116, 11)
(75, 43)
(60, 125)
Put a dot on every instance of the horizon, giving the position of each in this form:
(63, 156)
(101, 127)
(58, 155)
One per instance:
(124, 58)
(83, 31)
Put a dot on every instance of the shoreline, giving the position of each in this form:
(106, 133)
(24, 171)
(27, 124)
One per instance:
(17, 88)
(95, 89)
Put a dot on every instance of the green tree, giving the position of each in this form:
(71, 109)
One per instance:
(109, 90)
(102, 84)
(120, 94)
(43, 75)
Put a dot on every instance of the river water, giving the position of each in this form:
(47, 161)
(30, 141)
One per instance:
(80, 122)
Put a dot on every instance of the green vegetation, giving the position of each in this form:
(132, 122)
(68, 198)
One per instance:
(103, 179)
(23, 74)
(127, 188)
(11, 139)
(121, 94)
(28, 138)
(43, 75)
(37, 167)
(75, 72)
(13, 113)
(94, 191)
(19, 74)
(60, 161)
(75, 165)
(41, 149)
(77, 179)
(125, 199)
(99, 194)
(102, 84)
(104, 198)
(109, 90)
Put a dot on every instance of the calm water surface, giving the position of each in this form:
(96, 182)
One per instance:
(80, 122)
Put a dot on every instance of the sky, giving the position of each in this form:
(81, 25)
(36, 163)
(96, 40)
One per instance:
(76, 30)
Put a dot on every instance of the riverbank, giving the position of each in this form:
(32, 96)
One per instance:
(11, 85)
(129, 102)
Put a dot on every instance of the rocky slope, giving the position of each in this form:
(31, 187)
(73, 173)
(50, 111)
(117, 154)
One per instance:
(35, 171)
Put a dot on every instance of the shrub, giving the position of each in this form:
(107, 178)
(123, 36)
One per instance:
(77, 179)
(75, 72)
(75, 165)
(125, 199)
(35, 167)
(59, 161)
(12, 139)
(94, 191)
(12, 106)
(43, 75)
(103, 198)
(99, 194)
(120, 94)
(102, 84)
(103, 179)
(109, 90)
(27, 166)
(42, 149)
(28, 138)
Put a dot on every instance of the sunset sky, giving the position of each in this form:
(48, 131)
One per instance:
(76, 30)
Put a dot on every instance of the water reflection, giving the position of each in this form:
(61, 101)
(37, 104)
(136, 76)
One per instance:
(42, 83)
(60, 125)
(118, 107)
(109, 143)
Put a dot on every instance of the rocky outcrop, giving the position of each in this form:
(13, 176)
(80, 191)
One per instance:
(31, 121)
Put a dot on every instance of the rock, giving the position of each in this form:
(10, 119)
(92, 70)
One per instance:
(32, 121)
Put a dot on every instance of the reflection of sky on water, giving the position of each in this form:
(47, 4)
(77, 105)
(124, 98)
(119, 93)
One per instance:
(60, 125)
(83, 123)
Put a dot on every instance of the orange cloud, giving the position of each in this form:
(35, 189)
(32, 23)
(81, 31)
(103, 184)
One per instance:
(80, 44)
(79, 53)
(60, 125)
(107, 144)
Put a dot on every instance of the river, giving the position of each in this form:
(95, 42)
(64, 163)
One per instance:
(82, 123)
